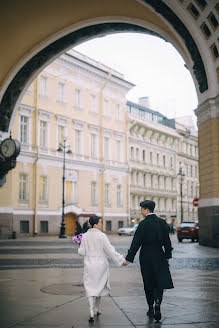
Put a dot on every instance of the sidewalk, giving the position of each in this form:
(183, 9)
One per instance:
(55, 297)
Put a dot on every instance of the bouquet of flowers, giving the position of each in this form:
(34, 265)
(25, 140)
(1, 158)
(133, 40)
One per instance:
(77, 239)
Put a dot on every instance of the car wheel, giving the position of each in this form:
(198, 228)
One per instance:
(119, 234)
(179, 240)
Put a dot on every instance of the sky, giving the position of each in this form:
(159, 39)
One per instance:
(153, 65)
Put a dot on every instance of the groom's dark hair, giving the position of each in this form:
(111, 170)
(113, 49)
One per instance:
(148, 204)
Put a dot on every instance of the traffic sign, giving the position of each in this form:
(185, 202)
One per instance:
(195, 202)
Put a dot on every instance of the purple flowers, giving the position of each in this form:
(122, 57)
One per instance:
(77, 239)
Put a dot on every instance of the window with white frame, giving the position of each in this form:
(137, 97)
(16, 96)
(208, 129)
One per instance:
(78, 141)
(191, 171)
(24, 129)
(43, 188)
(94, 200)
(118, 150)
(23, 187)
(43, 86)
(61, 134)
(68, 191)
(143, 155)
(61, 92)
(137, 154)
(43, 133)
(77, 98)
(151, 157)
(107, 195)
(74, 192)
(119, 195)
(118, 112)
(93, 103)
(106, 148)
(171, 161)
(93, 145)
(106, 108)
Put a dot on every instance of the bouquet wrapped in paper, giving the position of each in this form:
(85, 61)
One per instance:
(77, 239)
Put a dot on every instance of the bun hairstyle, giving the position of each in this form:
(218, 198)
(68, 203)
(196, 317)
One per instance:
(94, 220)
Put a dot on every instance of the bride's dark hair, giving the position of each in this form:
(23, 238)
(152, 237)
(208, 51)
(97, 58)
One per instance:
(94, 220)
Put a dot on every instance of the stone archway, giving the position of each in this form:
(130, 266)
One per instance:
(191, 29)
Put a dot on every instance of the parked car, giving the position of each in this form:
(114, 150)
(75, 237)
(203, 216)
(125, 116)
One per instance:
(187, 230)
(128, 230)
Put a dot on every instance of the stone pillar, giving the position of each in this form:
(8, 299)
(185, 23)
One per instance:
(208, 139)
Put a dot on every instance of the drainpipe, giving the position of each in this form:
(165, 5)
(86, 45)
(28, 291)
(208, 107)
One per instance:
(36, 186)
(101, 143)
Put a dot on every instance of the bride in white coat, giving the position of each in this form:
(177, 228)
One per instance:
(95, 248)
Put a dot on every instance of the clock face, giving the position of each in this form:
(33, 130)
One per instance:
(8, 148)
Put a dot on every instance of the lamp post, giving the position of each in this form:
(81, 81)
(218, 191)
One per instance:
(62, 227)
(181, 174)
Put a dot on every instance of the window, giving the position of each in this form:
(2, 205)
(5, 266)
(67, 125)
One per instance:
(143, 155)
(43, 226)
(137, 154)
(196, 171)
(61, 134)
(108, 225)
(43, 188)
(164, 160)
(77, 98)
(24, 120)
(145, 180)
(68, 191)
(61, 92)
(77, 141)
(43, 133)
(137, 178)
(118, 150)
(118, 113)
(190, 149)
(191, 171)
(24, 226)
(74, 194)
(106, 148)
(120, 224)
(119, 195)
(93, 193)
(43, 86)
(93, 145)
(171, 161)
(106, 108)
(151, 157)
(158, 159)
(23, 187)
(93, 104)
(107, 194)
(132, 152)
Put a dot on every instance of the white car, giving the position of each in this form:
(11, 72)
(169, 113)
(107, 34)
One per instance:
(128, 230)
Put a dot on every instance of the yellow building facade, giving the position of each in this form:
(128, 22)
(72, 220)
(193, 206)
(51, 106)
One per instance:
(80, 101)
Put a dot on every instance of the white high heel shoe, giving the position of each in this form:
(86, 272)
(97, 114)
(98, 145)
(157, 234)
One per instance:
(91, 300)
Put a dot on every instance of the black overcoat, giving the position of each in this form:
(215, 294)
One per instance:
(152, 236)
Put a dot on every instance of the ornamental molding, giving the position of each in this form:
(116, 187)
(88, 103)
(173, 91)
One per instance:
(78, 125)
(61, 119)
(26, 110)
(107, 133)
(44, 115)
(209, 109)
(94, 128)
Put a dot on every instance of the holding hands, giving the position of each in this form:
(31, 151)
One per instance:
(125, 263)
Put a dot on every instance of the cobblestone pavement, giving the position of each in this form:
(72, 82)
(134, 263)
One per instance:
(41, 286)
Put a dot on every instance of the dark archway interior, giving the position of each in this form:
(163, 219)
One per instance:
(33, 66)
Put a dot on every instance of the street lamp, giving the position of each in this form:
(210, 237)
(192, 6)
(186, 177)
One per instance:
(181, 174)
(62, 227)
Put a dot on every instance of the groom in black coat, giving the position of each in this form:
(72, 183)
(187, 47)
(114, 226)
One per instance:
(152, 235)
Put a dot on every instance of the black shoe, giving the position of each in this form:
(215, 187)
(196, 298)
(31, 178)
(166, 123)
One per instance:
(91, 319)
(150, 312)
(157, 313)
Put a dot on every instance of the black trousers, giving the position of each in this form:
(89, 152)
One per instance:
(153, 295)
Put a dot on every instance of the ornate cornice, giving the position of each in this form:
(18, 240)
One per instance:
(207, 110)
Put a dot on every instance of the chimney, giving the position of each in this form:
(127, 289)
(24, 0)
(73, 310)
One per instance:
(144, 101)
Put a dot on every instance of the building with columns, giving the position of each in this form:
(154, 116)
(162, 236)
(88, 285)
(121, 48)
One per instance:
(158, 148)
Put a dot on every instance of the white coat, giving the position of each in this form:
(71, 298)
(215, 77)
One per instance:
(95, 247)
